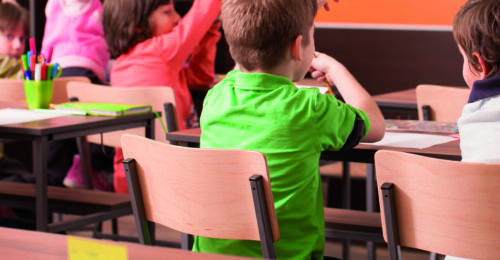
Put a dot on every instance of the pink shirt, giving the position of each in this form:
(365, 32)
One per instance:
(74, 30)
(177, 59)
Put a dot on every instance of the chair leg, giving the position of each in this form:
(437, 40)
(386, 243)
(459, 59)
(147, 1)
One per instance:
(114, 226)
(84, 152)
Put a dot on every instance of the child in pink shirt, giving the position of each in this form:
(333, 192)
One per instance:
(74, 35)
(74, 38)
(155, 47)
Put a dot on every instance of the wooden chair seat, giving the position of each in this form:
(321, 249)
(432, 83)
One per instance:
(353, 224)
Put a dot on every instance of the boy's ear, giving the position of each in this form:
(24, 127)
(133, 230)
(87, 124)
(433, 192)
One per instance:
(485, 66)
(295, 48)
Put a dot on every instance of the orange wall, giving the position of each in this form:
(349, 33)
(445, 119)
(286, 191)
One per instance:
(398, 12)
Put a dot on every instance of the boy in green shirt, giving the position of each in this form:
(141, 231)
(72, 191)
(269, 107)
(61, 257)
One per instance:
(259, 108)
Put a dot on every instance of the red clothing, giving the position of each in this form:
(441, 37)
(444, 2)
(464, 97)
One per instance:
(177, 59)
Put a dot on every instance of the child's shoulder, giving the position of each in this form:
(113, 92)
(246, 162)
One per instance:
(10, 67)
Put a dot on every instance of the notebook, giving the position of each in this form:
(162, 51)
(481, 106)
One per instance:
(421, 126)
(102, 109)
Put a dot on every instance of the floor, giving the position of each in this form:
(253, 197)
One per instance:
(333, 248)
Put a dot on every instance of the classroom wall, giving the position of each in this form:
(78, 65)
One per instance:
(390, 60)
(391, 12)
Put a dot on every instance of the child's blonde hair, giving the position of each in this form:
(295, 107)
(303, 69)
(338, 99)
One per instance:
(259, 31)
(476, 28)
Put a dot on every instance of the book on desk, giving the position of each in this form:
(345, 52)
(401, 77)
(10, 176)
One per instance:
(421, 126)
(102, 108)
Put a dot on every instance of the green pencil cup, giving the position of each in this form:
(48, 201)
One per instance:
(38, 93)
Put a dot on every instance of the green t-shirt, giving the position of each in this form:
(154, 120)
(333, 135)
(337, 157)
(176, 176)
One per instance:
(291, 126)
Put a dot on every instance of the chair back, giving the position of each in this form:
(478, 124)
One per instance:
(154, 96)
(441, 103)
(204, 192)
(442, 206)
(13, 89)
(59, 92)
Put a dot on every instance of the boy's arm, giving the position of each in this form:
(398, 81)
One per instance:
(200, 69)
(352, 92)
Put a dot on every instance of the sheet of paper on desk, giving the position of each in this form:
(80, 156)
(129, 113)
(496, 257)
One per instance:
(322, 90)
(411, 140)
(15, 116)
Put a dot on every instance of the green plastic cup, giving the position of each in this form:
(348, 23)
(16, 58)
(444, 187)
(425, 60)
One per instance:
(38, 93)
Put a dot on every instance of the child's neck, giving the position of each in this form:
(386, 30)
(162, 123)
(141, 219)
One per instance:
(284, 69)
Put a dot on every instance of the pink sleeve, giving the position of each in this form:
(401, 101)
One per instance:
(178, 45)
(200, 69)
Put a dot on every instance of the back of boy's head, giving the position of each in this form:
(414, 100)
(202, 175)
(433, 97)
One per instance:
(476, 28)
(11, 15)
(259, 32)
(127, 23)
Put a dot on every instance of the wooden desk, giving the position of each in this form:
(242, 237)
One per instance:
(22, 244)
(361, 153)
(399, 104)
(42, 131)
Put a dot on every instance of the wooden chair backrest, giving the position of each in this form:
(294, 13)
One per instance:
(442, 206)
(13, 89)
(203, 192)
(446, 102)
(154, 96)
(59, 92)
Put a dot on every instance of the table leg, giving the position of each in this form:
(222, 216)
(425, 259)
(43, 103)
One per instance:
(370, 204)
(346, 185)
(370, 187)
(40, 171)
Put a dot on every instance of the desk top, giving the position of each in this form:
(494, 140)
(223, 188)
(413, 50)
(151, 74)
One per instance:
(22, 244)
(403, 99)
(66, 123)
(360, 153)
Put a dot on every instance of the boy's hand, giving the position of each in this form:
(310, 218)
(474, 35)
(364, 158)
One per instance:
(323, 67)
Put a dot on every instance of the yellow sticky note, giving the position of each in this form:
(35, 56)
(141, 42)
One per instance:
(85, 249)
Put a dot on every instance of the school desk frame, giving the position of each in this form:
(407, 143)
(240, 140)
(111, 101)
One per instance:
(42, 131)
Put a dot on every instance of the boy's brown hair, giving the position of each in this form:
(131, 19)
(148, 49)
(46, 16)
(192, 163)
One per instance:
(476, 28)
(259, 31)
(13, 14)
(127, 23)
